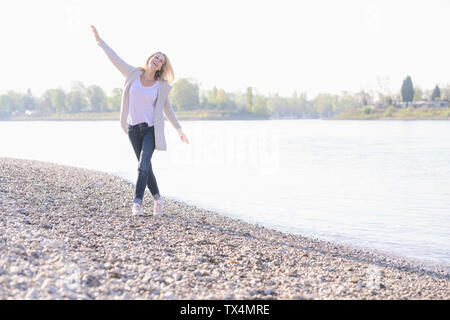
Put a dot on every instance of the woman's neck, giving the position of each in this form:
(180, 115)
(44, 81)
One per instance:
(148, 75)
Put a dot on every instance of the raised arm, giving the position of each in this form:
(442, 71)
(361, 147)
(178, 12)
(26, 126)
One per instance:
(121, 65)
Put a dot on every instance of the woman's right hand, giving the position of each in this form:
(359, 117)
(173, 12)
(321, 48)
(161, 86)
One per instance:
(94, 30)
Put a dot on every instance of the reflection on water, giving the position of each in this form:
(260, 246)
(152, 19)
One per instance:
(377, 184)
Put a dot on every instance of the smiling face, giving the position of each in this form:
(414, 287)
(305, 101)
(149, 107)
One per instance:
(158, 65)
(156, 61)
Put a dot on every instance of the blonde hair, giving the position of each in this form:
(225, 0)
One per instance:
(166, 72)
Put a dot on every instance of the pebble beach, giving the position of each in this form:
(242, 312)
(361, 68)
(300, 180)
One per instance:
(69, 233)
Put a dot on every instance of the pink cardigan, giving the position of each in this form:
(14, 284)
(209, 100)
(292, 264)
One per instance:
(162, 104)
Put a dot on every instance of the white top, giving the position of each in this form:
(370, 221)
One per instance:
(142, 103)
(131, 73)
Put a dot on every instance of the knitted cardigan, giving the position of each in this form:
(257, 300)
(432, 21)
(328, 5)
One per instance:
(162, 104)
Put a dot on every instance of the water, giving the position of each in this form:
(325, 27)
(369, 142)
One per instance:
(376, 184)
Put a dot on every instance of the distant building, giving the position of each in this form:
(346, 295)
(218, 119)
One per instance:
(381, 105)
(437, 104)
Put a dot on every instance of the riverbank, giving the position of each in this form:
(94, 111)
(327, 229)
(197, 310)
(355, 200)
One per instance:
(391, 113)
(68, 233)
(181, 115)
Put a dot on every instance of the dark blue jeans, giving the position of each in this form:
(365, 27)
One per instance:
(142, 138)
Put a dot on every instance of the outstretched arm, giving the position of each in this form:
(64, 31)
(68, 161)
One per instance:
(121, 65)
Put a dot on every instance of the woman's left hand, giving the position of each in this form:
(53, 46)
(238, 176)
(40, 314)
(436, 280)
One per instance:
(183, 136)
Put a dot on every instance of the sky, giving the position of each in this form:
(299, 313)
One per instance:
(317, 46)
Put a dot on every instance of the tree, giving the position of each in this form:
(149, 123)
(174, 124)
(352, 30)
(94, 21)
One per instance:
(236, 102)
(6, 106)
(388, 100)
(323, 103)
(297, 104)
(346, 101)
(249, 98)
(44, 104)
(76, 99)
(292, 103)
(436, 95)
(364, 98)
(418, 93)
(275, 104)
(58, 100)
(185, 94)
(407, 90)
(17, 101)
(203, 101)
(30, 103)
(212, 97)
(303, 105)
(221, 99)
(445, 93)
(259, 106)
(96, 98)
(115, 100)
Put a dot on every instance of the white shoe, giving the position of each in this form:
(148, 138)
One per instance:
(137, 209)
(158, 207)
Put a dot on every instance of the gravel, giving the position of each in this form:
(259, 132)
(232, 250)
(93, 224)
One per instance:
(68, 233)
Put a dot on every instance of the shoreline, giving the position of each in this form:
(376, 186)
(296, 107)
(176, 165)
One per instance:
(391, 119)
(392, 113)
(68, 233)
(113, 116)
(242, 119)
(423, 264)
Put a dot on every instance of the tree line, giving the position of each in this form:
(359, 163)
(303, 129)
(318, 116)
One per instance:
(186, 95)
(409, 93)
(78, 99)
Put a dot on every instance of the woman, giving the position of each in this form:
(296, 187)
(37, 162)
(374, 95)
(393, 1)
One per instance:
(144, 100)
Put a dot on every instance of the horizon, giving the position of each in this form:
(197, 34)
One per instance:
(255, 92)
(373, 46)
